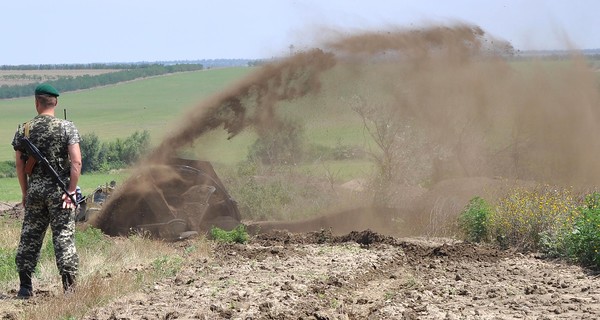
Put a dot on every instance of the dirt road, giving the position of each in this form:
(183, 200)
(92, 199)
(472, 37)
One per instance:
(364, 275)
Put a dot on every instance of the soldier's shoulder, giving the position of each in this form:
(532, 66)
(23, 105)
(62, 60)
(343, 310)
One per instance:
(64, 122)
(21, 128)
(69, 123)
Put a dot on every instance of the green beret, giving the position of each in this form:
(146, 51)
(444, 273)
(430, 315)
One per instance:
(45, 88)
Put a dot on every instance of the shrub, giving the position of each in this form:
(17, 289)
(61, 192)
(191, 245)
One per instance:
(115, 154)
(134, 147)
(262, 200)
(583, 242)
(533, 219)
(346, 152)
(8, 169)
(474, 220)
(237, 235)
(90, 150)
(282, 145)
(167, 265)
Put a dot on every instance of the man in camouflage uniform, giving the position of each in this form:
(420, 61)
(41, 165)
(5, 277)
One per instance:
(44, 201)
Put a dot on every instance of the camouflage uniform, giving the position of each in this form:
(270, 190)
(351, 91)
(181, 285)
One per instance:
(51, 136)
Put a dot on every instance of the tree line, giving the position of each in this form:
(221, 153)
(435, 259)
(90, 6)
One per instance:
(70, 83)
(118, 154)
(101, 156)
(77, 66)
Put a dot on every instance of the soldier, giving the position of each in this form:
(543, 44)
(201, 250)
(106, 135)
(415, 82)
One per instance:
(44, 201)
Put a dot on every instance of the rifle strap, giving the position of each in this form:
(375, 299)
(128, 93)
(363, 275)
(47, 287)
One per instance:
(27, 127)
(30, 163)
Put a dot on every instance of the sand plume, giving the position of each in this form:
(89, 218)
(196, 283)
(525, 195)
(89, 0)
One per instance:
(454, 102)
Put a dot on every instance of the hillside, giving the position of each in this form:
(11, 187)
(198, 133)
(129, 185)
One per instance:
(117, 111)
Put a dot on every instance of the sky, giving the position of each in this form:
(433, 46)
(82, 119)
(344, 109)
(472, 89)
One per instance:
(103, 31)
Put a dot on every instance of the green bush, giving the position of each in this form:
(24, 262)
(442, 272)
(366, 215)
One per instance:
(314, 152)
(281, 145)
(583, 243)
(117, 154)
(546, 219)
(262, 200)
(8, 169)
(90, 149)
(237, 235)
(167, 265)
(474, 219)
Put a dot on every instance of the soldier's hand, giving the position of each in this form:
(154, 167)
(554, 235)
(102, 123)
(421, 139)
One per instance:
(67, 202)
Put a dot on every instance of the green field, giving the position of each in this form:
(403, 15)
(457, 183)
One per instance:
(159, 104)
(10, 191)
(117, 111)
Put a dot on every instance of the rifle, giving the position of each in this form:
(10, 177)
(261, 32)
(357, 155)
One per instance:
(32, 150)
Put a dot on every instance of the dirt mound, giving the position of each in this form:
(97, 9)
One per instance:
(13, 210)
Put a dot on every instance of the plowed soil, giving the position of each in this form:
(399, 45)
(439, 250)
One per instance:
(363, 275)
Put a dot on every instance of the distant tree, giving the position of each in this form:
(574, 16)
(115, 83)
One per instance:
(90, 150)
(283, 145)
(135, 146)
(117, 154)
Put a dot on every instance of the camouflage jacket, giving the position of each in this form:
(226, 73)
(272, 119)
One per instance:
(51, 136)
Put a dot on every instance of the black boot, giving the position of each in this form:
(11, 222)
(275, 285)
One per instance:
(25, 288)
(68, 281)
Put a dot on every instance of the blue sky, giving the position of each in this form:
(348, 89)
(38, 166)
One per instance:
(76, 31)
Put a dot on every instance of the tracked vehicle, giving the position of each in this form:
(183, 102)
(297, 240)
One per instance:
(168, 201)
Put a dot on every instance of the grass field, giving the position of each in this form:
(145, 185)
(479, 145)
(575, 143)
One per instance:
(10, 191)
(117, 111)
(158, 105)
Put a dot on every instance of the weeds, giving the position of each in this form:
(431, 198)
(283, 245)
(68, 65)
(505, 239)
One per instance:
(7, 266)
(549, 220)
(262, 201)
(583, 242)
(474, 220)
(524, 217)
(237, 235)
(166, 266)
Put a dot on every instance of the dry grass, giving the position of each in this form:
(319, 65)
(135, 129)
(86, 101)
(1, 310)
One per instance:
(10, 231)
(107, 272)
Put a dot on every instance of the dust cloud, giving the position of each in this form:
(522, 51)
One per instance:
(482, 111)
(458, 105)
(252, 102)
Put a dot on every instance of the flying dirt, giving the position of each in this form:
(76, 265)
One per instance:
(462, 115)
(451, 113)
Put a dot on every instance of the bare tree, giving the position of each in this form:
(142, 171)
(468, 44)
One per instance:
(398, 155)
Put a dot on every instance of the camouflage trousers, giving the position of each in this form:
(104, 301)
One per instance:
(41, 212)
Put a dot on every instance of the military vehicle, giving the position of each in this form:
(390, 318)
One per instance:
(169, 201)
